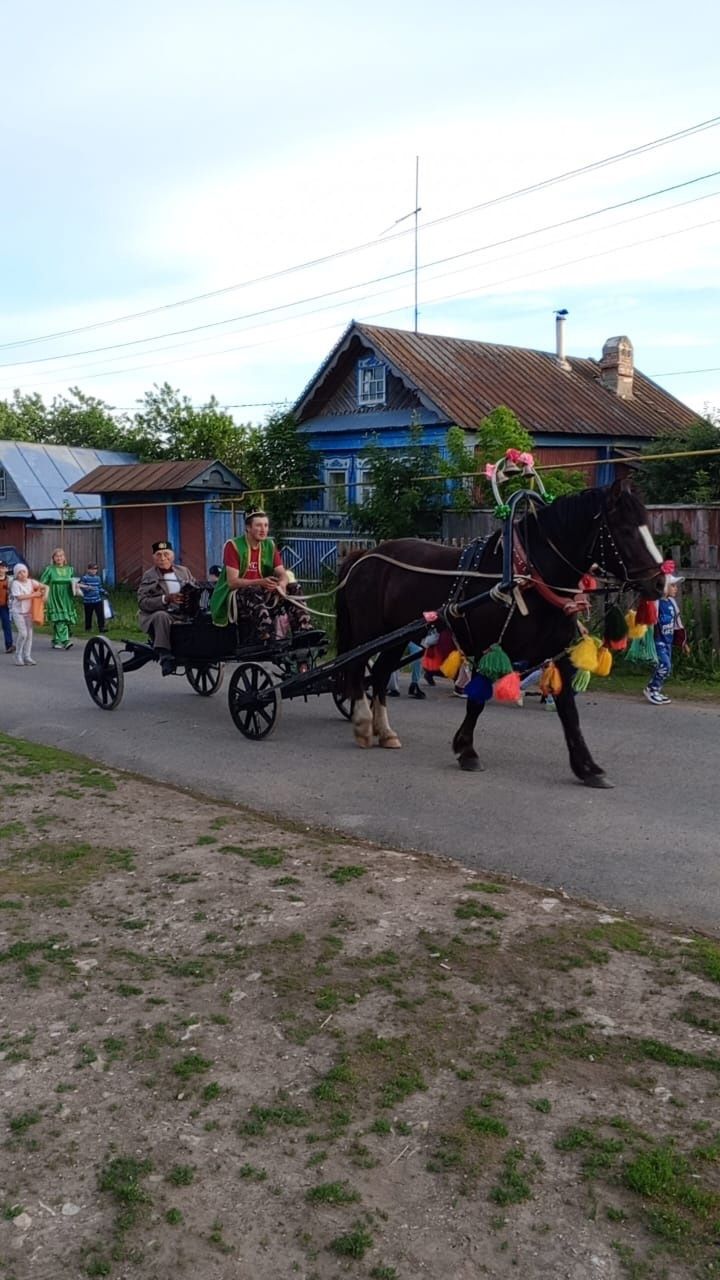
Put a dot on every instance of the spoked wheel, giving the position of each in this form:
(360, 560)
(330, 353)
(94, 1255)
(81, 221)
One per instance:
(254, 709)
(103, 673)
(205, 680)
(345, 705)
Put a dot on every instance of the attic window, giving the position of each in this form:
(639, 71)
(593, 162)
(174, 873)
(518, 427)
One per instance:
(370, 382)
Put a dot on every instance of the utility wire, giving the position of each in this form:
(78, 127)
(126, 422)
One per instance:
(543, 184)
(251, 315)
(429, 303)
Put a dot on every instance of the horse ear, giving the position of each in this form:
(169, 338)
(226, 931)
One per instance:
(622, 485)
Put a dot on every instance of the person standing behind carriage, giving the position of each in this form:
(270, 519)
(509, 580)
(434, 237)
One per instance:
(61, 610)
(160, 601)
(254, 574)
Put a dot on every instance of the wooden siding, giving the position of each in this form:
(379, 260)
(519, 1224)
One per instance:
(701, 524)
(344, 397)
(12, 534)
(546, 455)
(192, 540)
(82, 544)
(136, 528)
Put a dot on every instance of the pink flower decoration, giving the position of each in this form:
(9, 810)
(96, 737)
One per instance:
(668, 566)
(513, 455)
(526, 459)
(490, 469)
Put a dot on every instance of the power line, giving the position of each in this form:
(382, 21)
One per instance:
(431, 302)
(523, 235)
(676, 373)
(543, 184)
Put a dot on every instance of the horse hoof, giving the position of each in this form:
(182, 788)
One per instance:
(363, 740)
(470, 764)
(598, 781)
(392, 742)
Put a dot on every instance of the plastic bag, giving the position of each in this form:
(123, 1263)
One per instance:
(107, 609)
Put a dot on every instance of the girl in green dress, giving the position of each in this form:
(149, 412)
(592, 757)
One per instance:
(60, 608)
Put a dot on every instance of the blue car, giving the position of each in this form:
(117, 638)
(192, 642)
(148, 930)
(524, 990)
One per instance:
(11, 556)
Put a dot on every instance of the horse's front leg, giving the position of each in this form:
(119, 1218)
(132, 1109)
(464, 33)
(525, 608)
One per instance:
(581, 762)
(362, 721)
(462, 744)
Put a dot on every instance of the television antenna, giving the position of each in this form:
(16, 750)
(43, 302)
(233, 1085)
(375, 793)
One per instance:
(412, 214)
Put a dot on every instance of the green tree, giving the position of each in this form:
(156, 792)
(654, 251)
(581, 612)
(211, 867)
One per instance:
(402, 503)
(280, 462)
(685, 479)
(77, 420)
(501, 431)
(168, 425)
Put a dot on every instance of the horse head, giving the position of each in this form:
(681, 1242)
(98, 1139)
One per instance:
(626, 546)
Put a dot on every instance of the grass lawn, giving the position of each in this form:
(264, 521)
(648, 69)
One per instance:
(632, 680)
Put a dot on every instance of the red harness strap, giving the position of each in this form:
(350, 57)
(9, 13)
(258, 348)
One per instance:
(570, 604)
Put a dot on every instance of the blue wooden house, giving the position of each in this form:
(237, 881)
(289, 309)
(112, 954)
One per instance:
(376, 382)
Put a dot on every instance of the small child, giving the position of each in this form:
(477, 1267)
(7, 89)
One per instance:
(92, 589)
(669, 630)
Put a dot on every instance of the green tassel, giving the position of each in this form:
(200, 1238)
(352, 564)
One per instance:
(581, 680)
(495, 663)
(643, 650)
(615, 626)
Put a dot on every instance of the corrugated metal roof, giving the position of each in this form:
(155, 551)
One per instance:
(466, 380)
(164, 477)
(44, 472)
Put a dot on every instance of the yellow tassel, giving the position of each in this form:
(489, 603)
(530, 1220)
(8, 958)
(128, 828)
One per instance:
(604, 662)
(636, 630)
(452, 664)
(584, 654)
(550, 681)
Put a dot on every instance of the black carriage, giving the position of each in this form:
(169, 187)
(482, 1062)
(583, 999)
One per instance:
(265, 674)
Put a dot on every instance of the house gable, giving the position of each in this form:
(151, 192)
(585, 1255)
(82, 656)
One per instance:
(334, 391)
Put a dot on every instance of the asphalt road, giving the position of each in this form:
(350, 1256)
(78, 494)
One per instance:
(650, 846)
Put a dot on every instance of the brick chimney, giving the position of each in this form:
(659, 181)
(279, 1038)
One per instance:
(617, 367)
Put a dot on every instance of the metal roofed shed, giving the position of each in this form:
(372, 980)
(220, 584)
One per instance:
(37, 477)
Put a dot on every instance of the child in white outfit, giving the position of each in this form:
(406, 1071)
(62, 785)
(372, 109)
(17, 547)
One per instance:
(22, 591)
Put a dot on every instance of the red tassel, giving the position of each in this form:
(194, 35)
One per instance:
(588, 583)
(617, 646)
(646, 613)
(507, 688)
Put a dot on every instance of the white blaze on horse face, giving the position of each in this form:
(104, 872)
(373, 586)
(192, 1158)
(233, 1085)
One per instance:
(649, 541)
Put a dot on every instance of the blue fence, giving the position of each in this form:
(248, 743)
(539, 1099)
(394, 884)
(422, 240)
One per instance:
(313, 560)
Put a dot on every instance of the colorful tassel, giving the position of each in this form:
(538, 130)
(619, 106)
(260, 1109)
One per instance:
(615, 626)
(550, 681)
(604, 662)
(452, 664)
(479, 689)
(584, 654)
(618, 646)
(588, 583)
(581, 680)
(507, 688)
(494, 663)
(643, 649)
(647, 612)
(636, 631)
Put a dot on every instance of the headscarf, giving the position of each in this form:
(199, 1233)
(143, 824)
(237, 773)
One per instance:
(18, 569)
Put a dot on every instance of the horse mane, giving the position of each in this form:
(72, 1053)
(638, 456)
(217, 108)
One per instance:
(563, 517)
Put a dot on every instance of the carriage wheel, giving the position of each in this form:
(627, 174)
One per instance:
(345, 705)
(254, 718)
(103, 673)
(205, 680)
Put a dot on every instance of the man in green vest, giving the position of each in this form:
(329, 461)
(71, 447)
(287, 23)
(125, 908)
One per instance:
(253, 585)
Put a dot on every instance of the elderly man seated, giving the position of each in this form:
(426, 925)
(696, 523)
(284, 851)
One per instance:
(160, 601)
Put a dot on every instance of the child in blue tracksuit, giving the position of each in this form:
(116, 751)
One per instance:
(669, 630)
(92, 589)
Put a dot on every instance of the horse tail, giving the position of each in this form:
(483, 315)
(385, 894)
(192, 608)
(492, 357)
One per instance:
(350, 679)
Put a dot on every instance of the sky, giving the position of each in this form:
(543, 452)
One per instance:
(265, 154)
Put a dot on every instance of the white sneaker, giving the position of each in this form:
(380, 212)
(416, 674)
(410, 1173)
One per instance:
(662, 697)
(654, 697)
(19, 662)
(30, 662)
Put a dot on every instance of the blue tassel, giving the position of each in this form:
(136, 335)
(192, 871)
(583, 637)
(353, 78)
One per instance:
(479, 689)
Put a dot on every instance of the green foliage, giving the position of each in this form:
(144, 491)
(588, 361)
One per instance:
(167, 425)
(279, 458)
(686, 479)
(78, 420)
(402, 504)
(501, 431)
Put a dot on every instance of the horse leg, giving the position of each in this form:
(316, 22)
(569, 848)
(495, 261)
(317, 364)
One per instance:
(462, 744)
(581, 762)
(382, 668)
(362, 721)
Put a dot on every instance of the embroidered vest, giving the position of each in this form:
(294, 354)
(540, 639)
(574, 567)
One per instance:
(221, 592)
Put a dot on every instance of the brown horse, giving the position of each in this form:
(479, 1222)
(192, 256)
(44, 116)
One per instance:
(382, 590)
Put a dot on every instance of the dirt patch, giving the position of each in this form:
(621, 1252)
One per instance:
(232, 1049)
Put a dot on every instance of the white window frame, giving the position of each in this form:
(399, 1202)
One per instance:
(335, 486)
(371, 382)
(364, 487)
